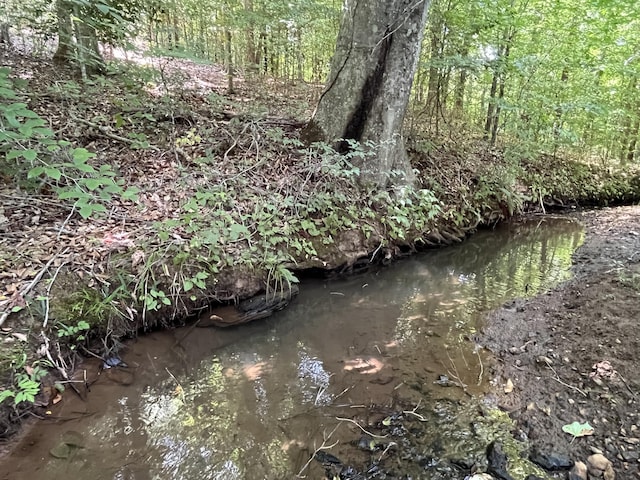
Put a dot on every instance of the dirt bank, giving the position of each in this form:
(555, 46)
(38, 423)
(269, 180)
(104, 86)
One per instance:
(572, 353)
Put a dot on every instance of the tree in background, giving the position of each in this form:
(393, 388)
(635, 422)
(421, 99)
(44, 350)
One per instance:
(369, 86)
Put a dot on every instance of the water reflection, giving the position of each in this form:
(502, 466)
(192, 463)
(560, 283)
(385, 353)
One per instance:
(256, 402)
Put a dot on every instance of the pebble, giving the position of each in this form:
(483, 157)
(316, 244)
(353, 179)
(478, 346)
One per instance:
(578, 472)
(600, 466)
(544, 359)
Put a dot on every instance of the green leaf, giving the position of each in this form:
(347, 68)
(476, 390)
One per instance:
(83, 167)
(6, 394)
(92, 183)
(81, 155)
(578, 429)
(187, 285)
(53, 172)
(29, 155)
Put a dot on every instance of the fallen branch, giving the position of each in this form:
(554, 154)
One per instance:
(342, 419)
(105, 131)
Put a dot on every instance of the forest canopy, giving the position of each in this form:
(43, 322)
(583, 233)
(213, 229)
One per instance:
(551, 75)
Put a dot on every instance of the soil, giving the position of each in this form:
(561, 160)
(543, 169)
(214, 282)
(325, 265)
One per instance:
(572, 353)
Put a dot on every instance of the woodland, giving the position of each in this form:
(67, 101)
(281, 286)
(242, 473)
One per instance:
(162, 156)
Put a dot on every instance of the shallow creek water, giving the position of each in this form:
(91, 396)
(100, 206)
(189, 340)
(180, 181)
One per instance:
(384, 353)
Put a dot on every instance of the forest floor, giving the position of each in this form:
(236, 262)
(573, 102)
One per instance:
(572, 353)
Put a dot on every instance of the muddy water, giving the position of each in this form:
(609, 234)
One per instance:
(256, 402)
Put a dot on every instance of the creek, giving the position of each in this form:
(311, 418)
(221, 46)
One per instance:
(379, 370)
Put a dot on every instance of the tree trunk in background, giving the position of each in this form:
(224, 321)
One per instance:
(5, 39)
(252, 55)
(229, 61)
(631, 123)
(77, 40)
(368, 89)
(433, 93)
(498, 86)
(65, 33)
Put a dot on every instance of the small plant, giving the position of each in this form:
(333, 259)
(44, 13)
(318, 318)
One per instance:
(73, 333)
(154, 299)
(24, 136)
(26, 385)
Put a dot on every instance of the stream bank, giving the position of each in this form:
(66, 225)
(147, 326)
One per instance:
(571, 354)
(201, 232)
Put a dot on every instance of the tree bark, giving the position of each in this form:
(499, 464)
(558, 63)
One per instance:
(369, 85)
(65, 32)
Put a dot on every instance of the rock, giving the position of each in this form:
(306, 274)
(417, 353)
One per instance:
(600, 466)
(578, 472)
(551, 460)
(497, 461)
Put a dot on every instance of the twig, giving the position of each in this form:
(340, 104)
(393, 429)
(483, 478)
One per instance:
(324, 446)
(105, 131)
(46, 300)
(66, 220)
(413, 412)
(557, 379)
(33, 283)
(626, 384)
(481, 368)
(389, 445)
(342, 419)
(61, 370)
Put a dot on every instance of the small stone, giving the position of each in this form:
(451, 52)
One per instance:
(600, 466)
(508, 388)
(632, 440)
(545, 360)
(578, 472)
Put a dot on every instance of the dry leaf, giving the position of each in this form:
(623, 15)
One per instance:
(22, 337)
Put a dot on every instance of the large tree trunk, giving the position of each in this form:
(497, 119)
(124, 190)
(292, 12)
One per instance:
(368, 89)
(77, 40)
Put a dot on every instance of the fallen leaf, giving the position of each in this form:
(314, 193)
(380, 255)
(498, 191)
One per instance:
(20, 336)
(578, 429)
